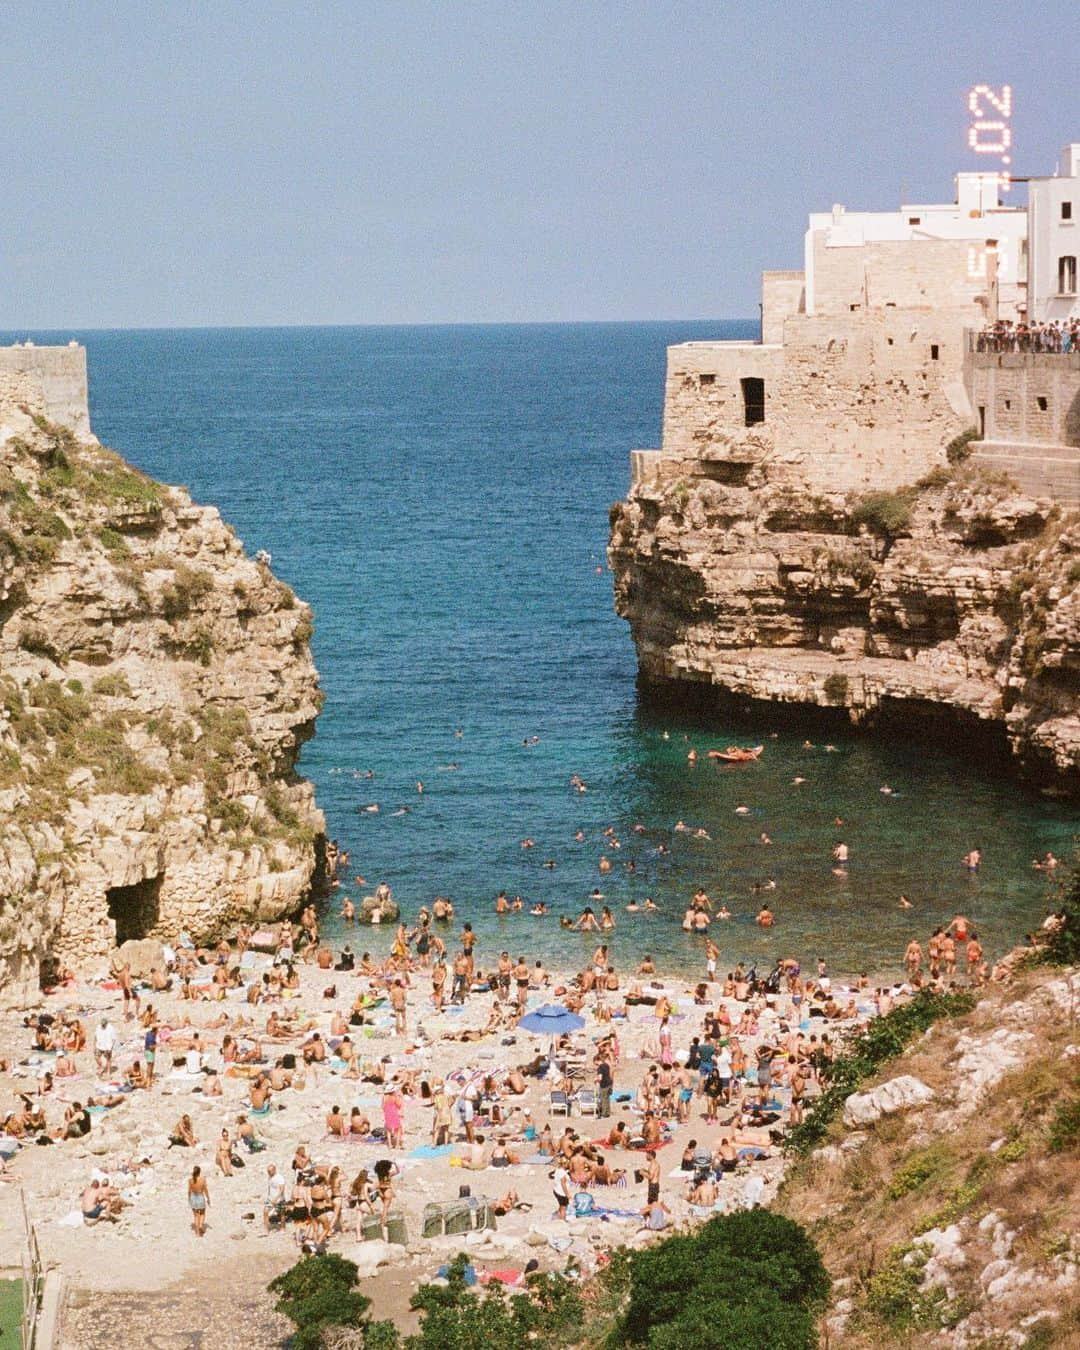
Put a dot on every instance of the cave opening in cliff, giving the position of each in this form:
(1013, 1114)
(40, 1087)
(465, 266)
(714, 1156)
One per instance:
(134, 909)
(753, 393)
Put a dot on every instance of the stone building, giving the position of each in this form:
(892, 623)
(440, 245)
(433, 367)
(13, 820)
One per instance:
(858, 378)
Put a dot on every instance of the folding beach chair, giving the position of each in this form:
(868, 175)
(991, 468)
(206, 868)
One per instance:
(560, 1103)
(586, 1101)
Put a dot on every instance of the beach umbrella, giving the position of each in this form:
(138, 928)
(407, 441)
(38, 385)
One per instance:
(551, 1020)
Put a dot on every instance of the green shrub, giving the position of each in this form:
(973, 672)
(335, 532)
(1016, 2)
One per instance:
(836, 687)
(937, 477)
(755, 1277)
(893, 1295)
(959, 448)
(187, 588)
(114, 542)
(918, 1169)
(884, 513)
(113, 685)
(883, 1039)
(317, 1294)
(1065, 1127)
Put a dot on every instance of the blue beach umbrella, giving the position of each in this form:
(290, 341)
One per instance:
(551, 1020)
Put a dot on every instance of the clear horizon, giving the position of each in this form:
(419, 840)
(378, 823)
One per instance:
(421, 163)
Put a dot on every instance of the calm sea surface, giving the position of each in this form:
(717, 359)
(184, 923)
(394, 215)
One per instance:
(440, 497)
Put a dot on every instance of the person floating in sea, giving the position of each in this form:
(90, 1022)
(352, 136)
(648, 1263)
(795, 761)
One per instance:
(973, 860)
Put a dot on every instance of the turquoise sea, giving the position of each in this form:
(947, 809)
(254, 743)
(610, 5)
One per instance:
(440, 496)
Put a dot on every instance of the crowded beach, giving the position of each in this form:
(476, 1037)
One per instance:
(308, 1097)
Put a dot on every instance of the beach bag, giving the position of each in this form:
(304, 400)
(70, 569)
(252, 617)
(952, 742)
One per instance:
(583, 1204)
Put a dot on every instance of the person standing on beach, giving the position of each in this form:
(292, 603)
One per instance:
(393, 1120)
(198, 1200)
(712, 955)
(128, 990)
(438, 983)
(605, 1081)
(397, 1002)
(105, 1043)
(561, 1190)
(913, 958)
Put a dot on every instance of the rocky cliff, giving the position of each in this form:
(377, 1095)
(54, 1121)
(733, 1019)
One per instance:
(155, 688)
(944, 1202)
(956, 595)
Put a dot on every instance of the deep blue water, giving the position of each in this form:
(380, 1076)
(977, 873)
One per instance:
(440, 496)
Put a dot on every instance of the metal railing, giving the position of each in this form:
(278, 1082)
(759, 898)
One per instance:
(1042, 339)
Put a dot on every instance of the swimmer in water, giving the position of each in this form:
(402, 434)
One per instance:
(633, 907)
(723, 912)
(348, 911)
(528, 843)
(972, 860)
(579, 836)
(419, 785)
(539, 908)
(692, 756)
(795, 782)
(905, 903)
(742, 810)
(764, 917)
(885, 790)
(650, 903)
(764, 838)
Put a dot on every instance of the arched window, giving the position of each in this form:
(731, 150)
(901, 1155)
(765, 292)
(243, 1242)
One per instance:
(1067, 275)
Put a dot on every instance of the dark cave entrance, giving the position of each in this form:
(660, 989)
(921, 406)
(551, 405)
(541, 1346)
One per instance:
(134, 909)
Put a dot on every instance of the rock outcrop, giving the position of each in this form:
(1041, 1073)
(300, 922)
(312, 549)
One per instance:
(957, 595)
(156, 685)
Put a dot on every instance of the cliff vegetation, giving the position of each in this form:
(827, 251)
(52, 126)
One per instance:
(155, 688)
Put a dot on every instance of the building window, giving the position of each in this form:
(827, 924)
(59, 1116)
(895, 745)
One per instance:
(706, 379)
(1067, 275)
(1008, 404)
(753, 392)
(935, 352)
(1066, 210)
(1042, 403)
(914, 220)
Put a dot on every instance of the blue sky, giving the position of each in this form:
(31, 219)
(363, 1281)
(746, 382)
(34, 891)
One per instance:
(381, 161)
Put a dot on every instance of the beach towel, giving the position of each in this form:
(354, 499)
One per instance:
(431, 1151)
(470, 1274)
(513, 1278)
(605, 1212)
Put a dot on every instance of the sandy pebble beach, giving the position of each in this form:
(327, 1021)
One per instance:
(153, 1247)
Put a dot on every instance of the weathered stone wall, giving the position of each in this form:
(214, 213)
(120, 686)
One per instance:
(782, 294)
(52, 380)
(898, 273)
(863, 398)
(1030, 398)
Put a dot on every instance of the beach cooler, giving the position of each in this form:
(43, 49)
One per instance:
(454, 1217)
(396, 1229)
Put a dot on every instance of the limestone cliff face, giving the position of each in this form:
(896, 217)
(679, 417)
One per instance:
(155, 688)
(957, 595)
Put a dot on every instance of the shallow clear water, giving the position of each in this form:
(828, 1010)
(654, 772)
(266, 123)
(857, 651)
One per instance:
(440, 497)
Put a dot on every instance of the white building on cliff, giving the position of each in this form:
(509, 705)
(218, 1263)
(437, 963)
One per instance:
(859, 377)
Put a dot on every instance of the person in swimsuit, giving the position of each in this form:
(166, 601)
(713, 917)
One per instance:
(198, 1200)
